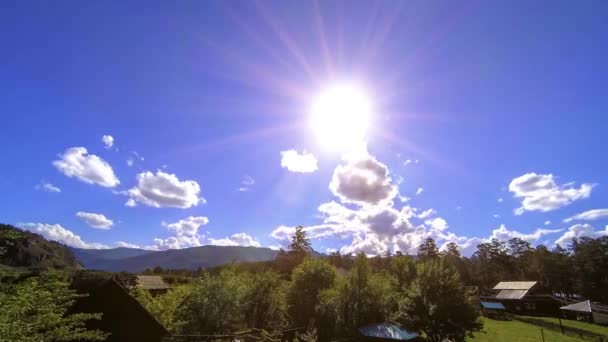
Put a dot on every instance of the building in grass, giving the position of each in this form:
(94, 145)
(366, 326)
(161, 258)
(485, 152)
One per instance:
(493, 310)
(152, 283)
(587, 311)
(525, 298)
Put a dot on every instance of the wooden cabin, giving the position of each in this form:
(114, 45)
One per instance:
(525, 298)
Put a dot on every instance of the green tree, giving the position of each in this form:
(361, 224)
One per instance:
(214, 305)
(403, 269)
(438, 305)
(264, 303)
(308, 280)
(165, 307)
(300, 245)
(36, 309)
(428, 250)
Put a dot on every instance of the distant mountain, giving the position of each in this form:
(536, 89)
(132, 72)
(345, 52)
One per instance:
(137, 260)
(91, 257)
(20, 248)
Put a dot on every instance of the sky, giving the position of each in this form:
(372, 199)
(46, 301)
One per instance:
(373, 124)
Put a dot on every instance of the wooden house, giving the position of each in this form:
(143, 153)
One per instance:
(525, 298)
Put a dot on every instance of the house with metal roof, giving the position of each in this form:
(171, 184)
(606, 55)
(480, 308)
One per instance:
(587, 311)
(524, 297)
(153, 283)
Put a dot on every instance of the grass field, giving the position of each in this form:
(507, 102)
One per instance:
(514, 331)
(576, 324)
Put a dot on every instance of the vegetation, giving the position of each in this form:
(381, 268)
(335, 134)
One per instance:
(508, 331)
(19, 248)
(594, 328)
(36, 309)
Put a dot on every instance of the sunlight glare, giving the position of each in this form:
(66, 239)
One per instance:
(340, 117)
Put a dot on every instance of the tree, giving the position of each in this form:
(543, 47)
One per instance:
(214, 305)
(37, 310)
(264, 303)
(165, 307)
(438, 305)
(308, 280)
(403, 270)
(300, 245)
(428, 250)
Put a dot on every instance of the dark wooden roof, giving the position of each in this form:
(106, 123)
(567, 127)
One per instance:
(122, 315)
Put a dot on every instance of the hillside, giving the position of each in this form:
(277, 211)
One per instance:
(19, 248)
(137, 260)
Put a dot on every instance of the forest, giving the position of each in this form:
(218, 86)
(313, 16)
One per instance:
(325, 298)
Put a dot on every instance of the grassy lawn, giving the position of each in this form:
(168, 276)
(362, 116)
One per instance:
(514, 331)
(576, 324)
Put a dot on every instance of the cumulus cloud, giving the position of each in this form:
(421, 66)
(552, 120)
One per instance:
(108, 141)
(164, 190)
(89, 168)
(186, 234)
(547, 223)
(363, 181)
(542, 193)
(427, 213)
(589, 215)
(98, 221)
(504, 234)
(136, 157)
(419, 191)
(130, 203)
(500, 200)
(126, 244)
(437, 224)
(188, 226)
(246, 183)
(578, 231)
(60, 234)
(48, 187)
(238, 239)
(294, 161)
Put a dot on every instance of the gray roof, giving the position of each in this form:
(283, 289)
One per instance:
(511, 294)
(151, 282)
(586, 306)
(515, 285)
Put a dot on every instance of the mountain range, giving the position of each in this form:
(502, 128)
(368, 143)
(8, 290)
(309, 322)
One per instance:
(137, 260)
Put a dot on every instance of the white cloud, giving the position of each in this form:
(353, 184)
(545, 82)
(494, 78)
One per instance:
(238, 239)
(547, 223)
(419, 191)
(108, 141)
(126, 244)
(589, 215)
(542, 193)
(246, 183)
(437, 224)
(504, 234)
(496, 216)
(175, 242)
(188, 226)
(130, 203)
(98, 221)
(89, 168)
(48, 187)
(363, 181)
(60, 234)
(427, 213)
(136, 157)
(165, 190)
(578, 231)
(410, 161)
(500, 200)
(294, 161)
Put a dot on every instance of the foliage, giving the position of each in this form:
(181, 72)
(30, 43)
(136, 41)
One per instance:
(308, 280)
(507, 331)
(428, 250)
(20, 248)
(165, 307)
(36, 309)
(437, 304)
(264, 302)
(214, 304)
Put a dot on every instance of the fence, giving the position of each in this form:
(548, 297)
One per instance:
(584, 334)
(251, 335)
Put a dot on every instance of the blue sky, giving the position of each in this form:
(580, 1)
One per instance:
(499, 107)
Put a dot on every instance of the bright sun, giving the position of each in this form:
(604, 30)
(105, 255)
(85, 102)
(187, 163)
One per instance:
(340, 117)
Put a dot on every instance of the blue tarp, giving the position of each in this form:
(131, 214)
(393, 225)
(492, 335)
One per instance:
(492, 305)
(388, 331)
